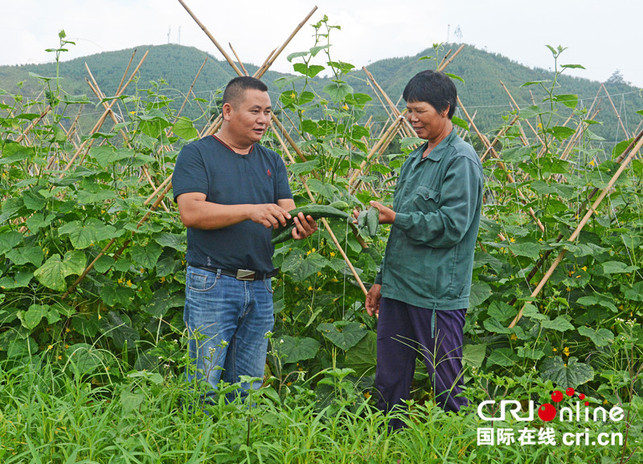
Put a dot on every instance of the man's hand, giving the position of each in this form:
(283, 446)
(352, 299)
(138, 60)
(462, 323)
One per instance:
(304, 226)
(373, 300)
(269, 215)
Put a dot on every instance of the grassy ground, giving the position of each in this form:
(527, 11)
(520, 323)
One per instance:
(48, 415)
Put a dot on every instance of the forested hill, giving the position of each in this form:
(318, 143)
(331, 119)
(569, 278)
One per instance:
(174, 67)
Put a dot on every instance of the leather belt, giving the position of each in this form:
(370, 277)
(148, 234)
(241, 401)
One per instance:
(242, 274)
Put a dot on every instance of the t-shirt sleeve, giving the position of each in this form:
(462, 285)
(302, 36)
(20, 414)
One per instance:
(189, 172)
(283, 187)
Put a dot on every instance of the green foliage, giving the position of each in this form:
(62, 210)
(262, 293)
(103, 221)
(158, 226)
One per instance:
(115, 329)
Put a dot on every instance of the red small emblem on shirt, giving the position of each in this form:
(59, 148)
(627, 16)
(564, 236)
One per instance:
(269, 175)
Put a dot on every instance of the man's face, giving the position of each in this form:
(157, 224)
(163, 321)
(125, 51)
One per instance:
(426, 120)
(248, 118)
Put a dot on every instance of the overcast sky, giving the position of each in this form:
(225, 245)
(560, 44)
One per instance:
(603, 36)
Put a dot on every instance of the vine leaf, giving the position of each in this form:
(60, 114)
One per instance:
(294, 349)
(502, 357)
(343, 334)
(52, 274)
(567, 375)
(560, 324)
(600, 337)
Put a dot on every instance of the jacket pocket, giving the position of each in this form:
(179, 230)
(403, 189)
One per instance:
(426, 199)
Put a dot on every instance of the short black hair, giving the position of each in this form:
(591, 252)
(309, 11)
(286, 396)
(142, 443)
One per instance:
(433, 87)
(237, 86)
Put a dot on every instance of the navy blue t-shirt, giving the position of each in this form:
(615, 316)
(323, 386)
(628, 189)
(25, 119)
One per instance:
(210, 167)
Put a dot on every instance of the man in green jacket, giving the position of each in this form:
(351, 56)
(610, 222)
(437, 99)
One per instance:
(421, 293)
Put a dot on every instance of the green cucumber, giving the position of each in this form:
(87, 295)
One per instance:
(372, 221)
(339, 204)
(314, 210)
(361, 219)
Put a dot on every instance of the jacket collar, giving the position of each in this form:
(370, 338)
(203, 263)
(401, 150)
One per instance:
(442, 147)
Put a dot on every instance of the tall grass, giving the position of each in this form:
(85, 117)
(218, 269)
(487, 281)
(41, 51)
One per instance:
(49, 415)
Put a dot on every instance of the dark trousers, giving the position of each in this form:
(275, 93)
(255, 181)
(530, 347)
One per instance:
(404, 332)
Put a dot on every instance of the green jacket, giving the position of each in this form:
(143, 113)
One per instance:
(429, 255)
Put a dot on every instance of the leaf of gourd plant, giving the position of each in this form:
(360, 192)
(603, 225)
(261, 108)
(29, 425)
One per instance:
(600, 337)
(9, 240)
(343, 334)
(176, 241)
(566, 375)
(294, 349)
(338, 91)
(85, 358)
(362, 357)
(52, 274)
(39, 221)
(32, 317)
(90, 233)
(617, 267)
(146, 256)
(24, 255)
(480, 291)
(474, 355)
(502, 357)
(18, 280)
(598, 299)
(560, 324)
(184, 128)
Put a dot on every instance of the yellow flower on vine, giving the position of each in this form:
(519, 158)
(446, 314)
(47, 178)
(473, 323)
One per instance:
(566, 351)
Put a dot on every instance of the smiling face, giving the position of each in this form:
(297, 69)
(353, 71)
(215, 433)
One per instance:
(247, 118)
(427, 122)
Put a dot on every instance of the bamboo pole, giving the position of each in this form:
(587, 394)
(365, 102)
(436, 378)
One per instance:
(381, 145)
(245, 71)
(129, 63)
(89, 141)
(618, 116)
(391, 130)
(446, 63)
(392, 106)
(497, 137)
(325, 222)
(211, 37)
(518, 109)
(33, 124)
(185, 100)
(591, 210)
(542, 259)
(80, 278)
(101, 96)
(501, 164)
(261, 71)
(301, 155)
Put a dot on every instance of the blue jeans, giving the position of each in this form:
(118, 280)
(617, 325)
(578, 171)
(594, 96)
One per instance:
(227, 321)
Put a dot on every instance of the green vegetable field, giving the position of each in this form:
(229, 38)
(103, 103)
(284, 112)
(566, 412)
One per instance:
(93, 349)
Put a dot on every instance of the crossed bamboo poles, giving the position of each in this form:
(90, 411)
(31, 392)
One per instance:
(398, 126)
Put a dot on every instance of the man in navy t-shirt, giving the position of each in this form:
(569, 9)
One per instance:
(231, 192)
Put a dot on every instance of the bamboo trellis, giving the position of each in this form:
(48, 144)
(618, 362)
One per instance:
(396, 125)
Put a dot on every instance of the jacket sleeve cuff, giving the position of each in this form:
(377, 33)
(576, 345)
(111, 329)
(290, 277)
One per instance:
(402, 220)
(378, 278)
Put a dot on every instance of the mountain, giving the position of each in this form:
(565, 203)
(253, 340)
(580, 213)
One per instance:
(174, 67)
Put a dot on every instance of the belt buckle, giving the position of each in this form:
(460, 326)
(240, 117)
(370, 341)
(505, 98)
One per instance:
(245, 274)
